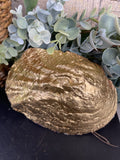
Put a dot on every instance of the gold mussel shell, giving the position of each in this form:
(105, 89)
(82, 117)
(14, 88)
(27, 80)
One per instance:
(63, 92)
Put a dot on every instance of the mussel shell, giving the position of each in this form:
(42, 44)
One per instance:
(63, 92)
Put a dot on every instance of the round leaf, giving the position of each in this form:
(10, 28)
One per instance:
(50, 50)
(64, 24)
(109, 56)
(12, 28)
(12, 52)
(33, 44)
(22, 33)
(107, 21)
(35, 37)
(45, 36)
(61, 38)
(73, 33)
(22, 23)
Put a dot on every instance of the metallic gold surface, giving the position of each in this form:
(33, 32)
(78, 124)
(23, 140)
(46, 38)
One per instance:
(63, 92)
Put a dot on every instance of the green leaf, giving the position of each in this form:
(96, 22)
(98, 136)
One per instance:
(3, 61)
(109, 42)
(45, 36)
(102, 11)
(35, 36)
(107, 22)
(109, 56)
(3, 48)
(22, 23)
(12, 52)
(22, 33)
(30, 4)
(85, 25)
(10, 43)
(51, 50)
(92, 14)
(61, 38)
(73, 33)
(33, 44)
(7, 55)
(21, 48)
(86, 46)
(82, 15)
(75, 16)
(63, 24)
(50, 19)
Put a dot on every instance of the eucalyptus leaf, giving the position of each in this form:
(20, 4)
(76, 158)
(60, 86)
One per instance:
(35, 37)
(61, 38)
(73, 33)
(22, 33)
(116, 69)
(37, 25)
(22, 23)
(8, 55)
(33, 44)
(58, 6)
(14, 20)
(75, 16)
(109, 56)
(10, 43)
(75, 50)
(107, 22)
(3, 48)
(86, 46)
(50, 4)
(50, 20)
(42, 15)
(63, 24)
(67, 27)
(15, 38)
(3, 61)
(50, 50)
(17, 11)
(45, 36)
(107, 40)
(12, 52)
(85, 25)
(20, 41)
(92, 38)
(21, 48)
(82, 15)
(30, 19)
(12, 28)
(92, 14)
(102, 11)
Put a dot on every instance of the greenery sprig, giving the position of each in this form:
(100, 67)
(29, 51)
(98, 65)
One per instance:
(51, 29)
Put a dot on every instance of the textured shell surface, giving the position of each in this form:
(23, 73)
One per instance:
(63, 92)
